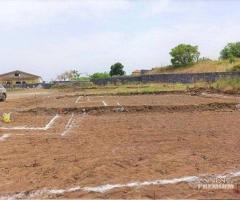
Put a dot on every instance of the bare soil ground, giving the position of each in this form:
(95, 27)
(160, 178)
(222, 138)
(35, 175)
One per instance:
(81, 150)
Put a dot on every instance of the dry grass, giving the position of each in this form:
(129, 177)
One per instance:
(202, 66)
(229, 84)
(135, 88)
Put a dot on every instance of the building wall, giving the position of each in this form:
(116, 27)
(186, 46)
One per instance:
(19, 78)
(136, 73)
(21, 81)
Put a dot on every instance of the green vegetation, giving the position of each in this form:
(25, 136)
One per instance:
(75, 75)
(230, 84)
(99, 75)
(201, 66)
(225, 85)
(133, 88)
(82, 78)
(117, 70)
(184, 54)
(231, 51)
(185, 59)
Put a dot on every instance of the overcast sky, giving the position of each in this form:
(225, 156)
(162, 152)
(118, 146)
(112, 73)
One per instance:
(49, 37)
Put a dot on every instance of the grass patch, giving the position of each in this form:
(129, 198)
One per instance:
(229, 84)
(136, 88)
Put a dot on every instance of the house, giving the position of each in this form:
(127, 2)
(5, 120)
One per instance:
(17, 77)
(140, 72)
(136, 73)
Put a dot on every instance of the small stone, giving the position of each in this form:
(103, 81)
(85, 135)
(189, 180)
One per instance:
(238, 106)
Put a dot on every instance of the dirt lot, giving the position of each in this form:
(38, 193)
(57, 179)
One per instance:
(121, 154)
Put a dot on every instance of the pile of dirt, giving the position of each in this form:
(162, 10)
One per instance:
(133, 109)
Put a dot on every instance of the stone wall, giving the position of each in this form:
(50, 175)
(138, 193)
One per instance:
(169, 78)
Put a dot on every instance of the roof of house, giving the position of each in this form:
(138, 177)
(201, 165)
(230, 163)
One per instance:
(20, 72)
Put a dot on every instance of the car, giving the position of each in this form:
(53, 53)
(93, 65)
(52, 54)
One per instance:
(3, 93)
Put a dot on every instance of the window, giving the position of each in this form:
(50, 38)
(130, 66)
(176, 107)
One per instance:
(17, 74)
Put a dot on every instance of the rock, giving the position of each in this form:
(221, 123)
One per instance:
(238, 106)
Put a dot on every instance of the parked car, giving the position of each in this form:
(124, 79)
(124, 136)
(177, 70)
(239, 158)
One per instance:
(3, 93)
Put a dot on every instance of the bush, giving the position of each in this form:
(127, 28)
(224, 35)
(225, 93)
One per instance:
(99, 76)
(231, 84)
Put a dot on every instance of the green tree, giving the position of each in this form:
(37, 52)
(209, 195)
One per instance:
(231, 59)
(100, 75)
(117, 70)
(184, 54)
(230, 51)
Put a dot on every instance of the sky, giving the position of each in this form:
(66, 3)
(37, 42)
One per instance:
(48, 37)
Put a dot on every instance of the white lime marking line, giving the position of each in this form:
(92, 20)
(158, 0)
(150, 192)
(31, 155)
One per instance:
(107, 187)
(104, 103)
(48, 126)
(78, 99)
(85, 100)
(69, 125)
(90, 102)
(4, 137)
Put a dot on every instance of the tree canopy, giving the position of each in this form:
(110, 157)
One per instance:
(184, 54)
(117, 70)
(230, 51)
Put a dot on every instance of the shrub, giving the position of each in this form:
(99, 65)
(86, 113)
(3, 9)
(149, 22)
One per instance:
(227, 84)
(230, 51)
(99, 75)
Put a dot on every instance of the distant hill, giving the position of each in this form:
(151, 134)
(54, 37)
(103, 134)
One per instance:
(201, 66)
